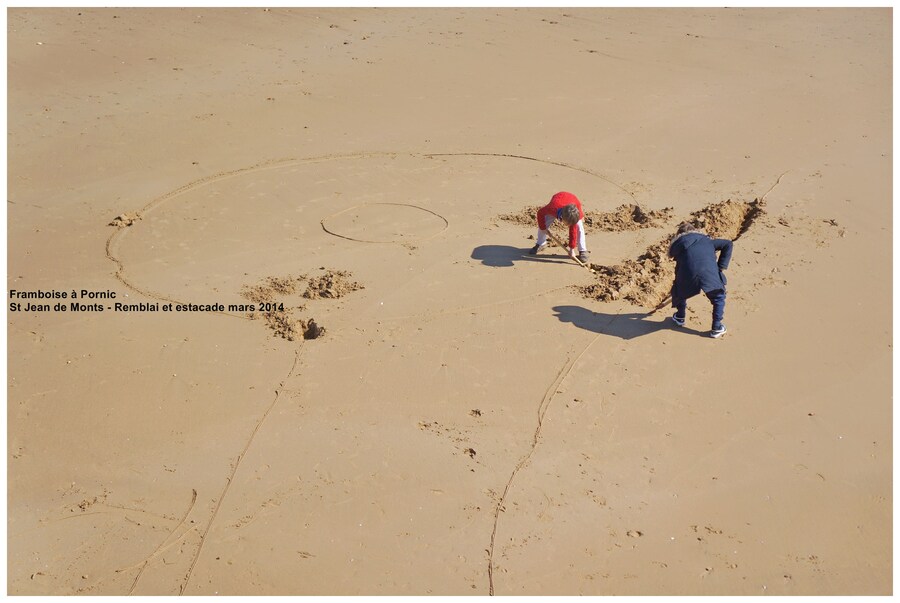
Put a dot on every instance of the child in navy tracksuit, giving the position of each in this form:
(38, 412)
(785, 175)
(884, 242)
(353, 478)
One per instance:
(698, 269)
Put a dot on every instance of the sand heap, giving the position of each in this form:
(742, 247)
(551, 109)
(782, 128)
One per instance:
(527, 216)
(332, 284)
(647, 280)
(624, 217)
(728, 219)
(271, 287)
(125, 220)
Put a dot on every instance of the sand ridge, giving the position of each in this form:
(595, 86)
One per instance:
(647, 279)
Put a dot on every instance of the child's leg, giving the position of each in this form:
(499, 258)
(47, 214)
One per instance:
(579, 233)
(680, 305)
(717, 299)
(542, 233)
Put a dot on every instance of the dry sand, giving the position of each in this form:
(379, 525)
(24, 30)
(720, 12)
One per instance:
(471, 419)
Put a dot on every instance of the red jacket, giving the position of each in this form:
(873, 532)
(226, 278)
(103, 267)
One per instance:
(557, 202)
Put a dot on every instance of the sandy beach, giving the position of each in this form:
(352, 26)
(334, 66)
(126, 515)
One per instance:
(273, 327)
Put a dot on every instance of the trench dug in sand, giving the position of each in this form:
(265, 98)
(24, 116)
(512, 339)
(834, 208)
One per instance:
(647, 280)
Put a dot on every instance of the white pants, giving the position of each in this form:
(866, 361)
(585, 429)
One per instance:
(579, 232)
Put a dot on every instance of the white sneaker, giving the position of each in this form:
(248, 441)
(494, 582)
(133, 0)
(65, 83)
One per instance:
(716, 333)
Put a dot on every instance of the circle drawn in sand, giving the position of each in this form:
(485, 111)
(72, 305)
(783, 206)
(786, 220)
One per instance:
(194, 239)
(385, 223)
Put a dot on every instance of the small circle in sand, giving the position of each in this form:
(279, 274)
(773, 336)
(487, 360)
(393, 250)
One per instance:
(385, 223)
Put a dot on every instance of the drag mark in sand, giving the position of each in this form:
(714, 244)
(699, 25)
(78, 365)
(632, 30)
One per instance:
(162, 545)
(527, 158)
(237, 463)
(771, 188)
(542, 411)
(733, 218)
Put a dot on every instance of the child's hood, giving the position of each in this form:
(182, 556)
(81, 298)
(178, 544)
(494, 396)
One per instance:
(683, 241)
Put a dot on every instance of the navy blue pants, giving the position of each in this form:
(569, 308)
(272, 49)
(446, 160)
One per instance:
(716, 298)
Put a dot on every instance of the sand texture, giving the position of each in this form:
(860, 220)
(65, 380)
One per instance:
(371, 388)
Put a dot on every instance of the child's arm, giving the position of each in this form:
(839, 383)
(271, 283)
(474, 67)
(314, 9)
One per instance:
(724, 246)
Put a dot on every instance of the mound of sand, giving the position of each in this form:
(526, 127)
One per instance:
(272, 287)
(628, 216)
(647, 280)
(279, 318)
(727, 220)
(284, 325)
(527, 216)
(124, 220)
(332, 285)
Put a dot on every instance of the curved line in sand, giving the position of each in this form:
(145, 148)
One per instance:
(162, 545)
(771, 188)
(429, 237)
(235, 467)
(543, 407)
(542, 411)
(111, 252)
(114, 240)
(547, 161)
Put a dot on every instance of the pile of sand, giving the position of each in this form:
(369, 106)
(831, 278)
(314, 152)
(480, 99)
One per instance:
(527, 216)
(124, 220)
(279, 318)
(727, 220)
(647, 280)
(625, 217)
(284, 325)
(271, 288)
(332, 285)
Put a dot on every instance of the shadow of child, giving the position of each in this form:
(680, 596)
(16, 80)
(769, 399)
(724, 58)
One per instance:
(506, 255)
(624, 326)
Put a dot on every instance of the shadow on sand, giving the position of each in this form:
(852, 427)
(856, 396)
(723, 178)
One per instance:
(624, 326)
(505, 256)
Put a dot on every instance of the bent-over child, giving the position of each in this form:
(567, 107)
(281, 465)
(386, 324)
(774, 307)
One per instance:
(698, 269)
(566, 207)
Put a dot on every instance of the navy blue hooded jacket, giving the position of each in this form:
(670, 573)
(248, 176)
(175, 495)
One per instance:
(696, 266)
